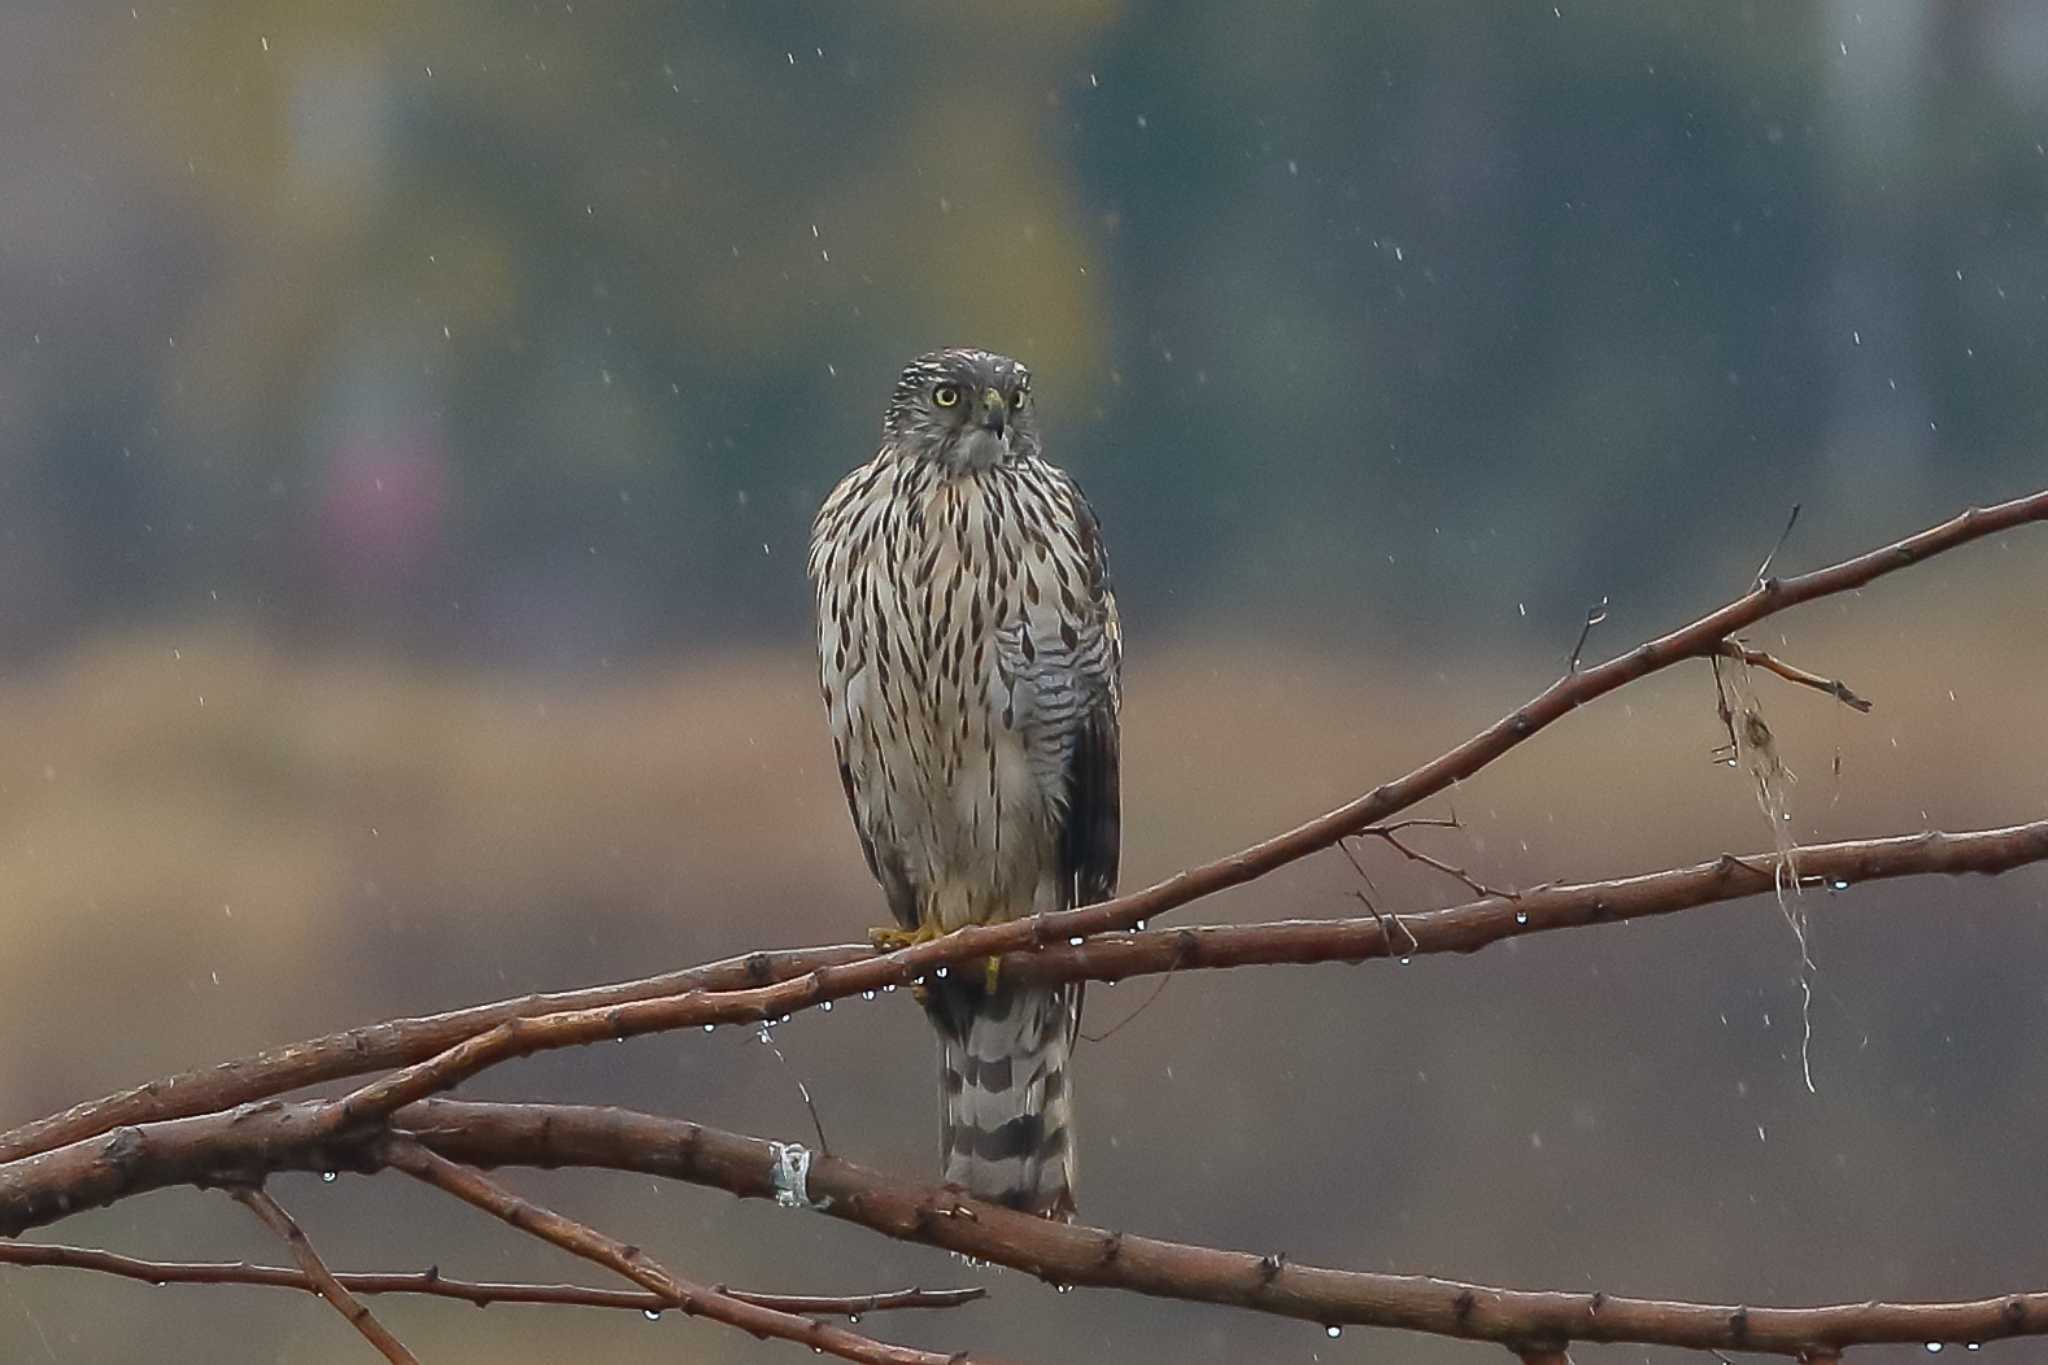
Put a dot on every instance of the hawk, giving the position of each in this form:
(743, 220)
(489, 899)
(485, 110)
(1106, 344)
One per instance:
(969, 655)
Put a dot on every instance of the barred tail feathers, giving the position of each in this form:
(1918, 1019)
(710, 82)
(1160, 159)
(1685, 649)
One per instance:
(1006, 1114)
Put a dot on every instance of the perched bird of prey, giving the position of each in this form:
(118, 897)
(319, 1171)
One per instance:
(969, 654)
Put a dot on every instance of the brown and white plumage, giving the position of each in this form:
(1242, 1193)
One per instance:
(969, 656)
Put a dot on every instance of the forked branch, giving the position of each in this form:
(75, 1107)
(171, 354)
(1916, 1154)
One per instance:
(406, 1042)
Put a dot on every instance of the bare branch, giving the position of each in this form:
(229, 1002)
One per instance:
(1392, 838)
(1459, 930)
(375, 1047)
(416, 1040)
(274, 1217)
(1079, 1255)
(432, 1283)
(473, 1187)
(1834, 687)
(241, 1146)
(49, 1186)
(290, 1135)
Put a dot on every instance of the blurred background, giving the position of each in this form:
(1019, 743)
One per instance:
(410, 420)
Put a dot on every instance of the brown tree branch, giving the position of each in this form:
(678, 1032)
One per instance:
(1391, 835)
(277, 1135)
(273, 1216)
(1757, 658)
(1462, 929)
(243, 1145)
(1272, 1283)
(48, 1186)
(413, 1041)
(432, 1283)
(375, 1047)
(473, 1187)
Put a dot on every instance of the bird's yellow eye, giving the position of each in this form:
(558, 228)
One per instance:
(946, 395)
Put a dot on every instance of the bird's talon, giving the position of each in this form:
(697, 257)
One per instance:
(990, 974)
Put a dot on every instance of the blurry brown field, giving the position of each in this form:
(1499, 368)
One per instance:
(207, 845)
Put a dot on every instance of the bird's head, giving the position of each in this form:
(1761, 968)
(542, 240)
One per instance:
(963, 409)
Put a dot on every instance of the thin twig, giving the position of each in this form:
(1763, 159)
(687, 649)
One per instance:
(1834, 687)
(1763, 570)
(258, 1201)
(1594, 616)
(1386, 921)
(1118, 1027)
(1476, 887)
(432, 1283)
(474, 1187)
(842, 971)
(817, 1124)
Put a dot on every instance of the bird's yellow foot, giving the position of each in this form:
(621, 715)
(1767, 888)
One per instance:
(991, 971)
(889, 939)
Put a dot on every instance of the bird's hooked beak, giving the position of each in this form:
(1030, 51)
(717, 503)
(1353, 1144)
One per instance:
(995, 413)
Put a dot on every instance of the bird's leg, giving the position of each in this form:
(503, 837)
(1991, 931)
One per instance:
(990, 973)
